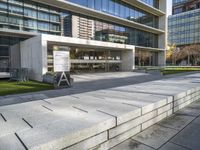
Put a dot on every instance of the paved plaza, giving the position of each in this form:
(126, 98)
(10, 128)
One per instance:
(103, 118)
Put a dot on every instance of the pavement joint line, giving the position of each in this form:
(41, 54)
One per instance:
(180, 130)
(141, 142)
(179, 114)
(97, 97)
(27, 122)
(3, 117)
(144, 92)
(47, 108)
(130, 105)
(109, 115)
(46, 101)
(166, 126)
(21, 141)
(75, 97)
(80, 109)
(180, 145)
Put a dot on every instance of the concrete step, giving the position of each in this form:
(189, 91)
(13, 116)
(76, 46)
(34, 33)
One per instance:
(94, 120)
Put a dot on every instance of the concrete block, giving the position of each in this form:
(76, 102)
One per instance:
(153, 136)
(120, 138)
(153, 106)
(153, 121)
(164, 109)
(90, 143)
(179, 107)
(10, 142)
(180, 95)
(64, 133)
(133, 123)
(122, 112)
(170, 112)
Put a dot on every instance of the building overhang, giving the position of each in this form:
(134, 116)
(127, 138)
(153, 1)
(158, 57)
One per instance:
(149, 48)
(97, 14)
(17, 33)
(83, 43)
(145, 7)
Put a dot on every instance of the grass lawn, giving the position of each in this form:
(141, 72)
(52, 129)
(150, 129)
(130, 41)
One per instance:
(11, 87)
(175, 70)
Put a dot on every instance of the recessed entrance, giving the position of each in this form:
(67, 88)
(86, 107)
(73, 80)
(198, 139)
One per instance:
(88, 59)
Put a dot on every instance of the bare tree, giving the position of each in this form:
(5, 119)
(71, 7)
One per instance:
(191, 53)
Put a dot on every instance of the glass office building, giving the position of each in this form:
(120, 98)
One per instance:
(136, 23)
(184, 24)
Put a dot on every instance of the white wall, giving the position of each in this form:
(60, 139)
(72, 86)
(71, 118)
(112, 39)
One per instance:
(32, 57)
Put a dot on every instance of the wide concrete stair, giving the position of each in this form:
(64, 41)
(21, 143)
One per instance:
(97, 120)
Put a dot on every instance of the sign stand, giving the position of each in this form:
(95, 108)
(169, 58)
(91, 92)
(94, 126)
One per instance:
(61, 63)
(63, 78)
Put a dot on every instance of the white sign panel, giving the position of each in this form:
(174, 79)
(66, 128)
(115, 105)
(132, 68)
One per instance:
(61, 61)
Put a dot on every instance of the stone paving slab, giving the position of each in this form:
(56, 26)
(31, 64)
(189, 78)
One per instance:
(132, 145)
(177, 122)
(19, 111)
(10, 142)
(11, 127)
(197, 120)
(171, 146)
(189, 111)
(189, 137)
(155, 136)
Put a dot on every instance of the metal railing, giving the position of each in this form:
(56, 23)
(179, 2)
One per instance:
(19, 74)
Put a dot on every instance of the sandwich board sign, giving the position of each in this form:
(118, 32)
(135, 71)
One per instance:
(61, 64)
(61, 61)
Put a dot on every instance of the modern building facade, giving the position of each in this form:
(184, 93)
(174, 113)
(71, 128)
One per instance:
(101, 35)
(184, 24)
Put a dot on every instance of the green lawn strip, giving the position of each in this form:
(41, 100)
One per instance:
(11, 87)
(175, 70)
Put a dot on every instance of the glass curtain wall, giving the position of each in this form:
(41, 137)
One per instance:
(154, 3)
(95, 29)
(146, 58)
(184, 28)
(29, 16)
(5, 43)
(121, 9)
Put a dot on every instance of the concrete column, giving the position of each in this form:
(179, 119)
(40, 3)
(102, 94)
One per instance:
(128, 60)
(162, 58)
(44, 56)
(162, 39)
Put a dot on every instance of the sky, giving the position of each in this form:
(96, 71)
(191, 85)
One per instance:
(169, 7)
